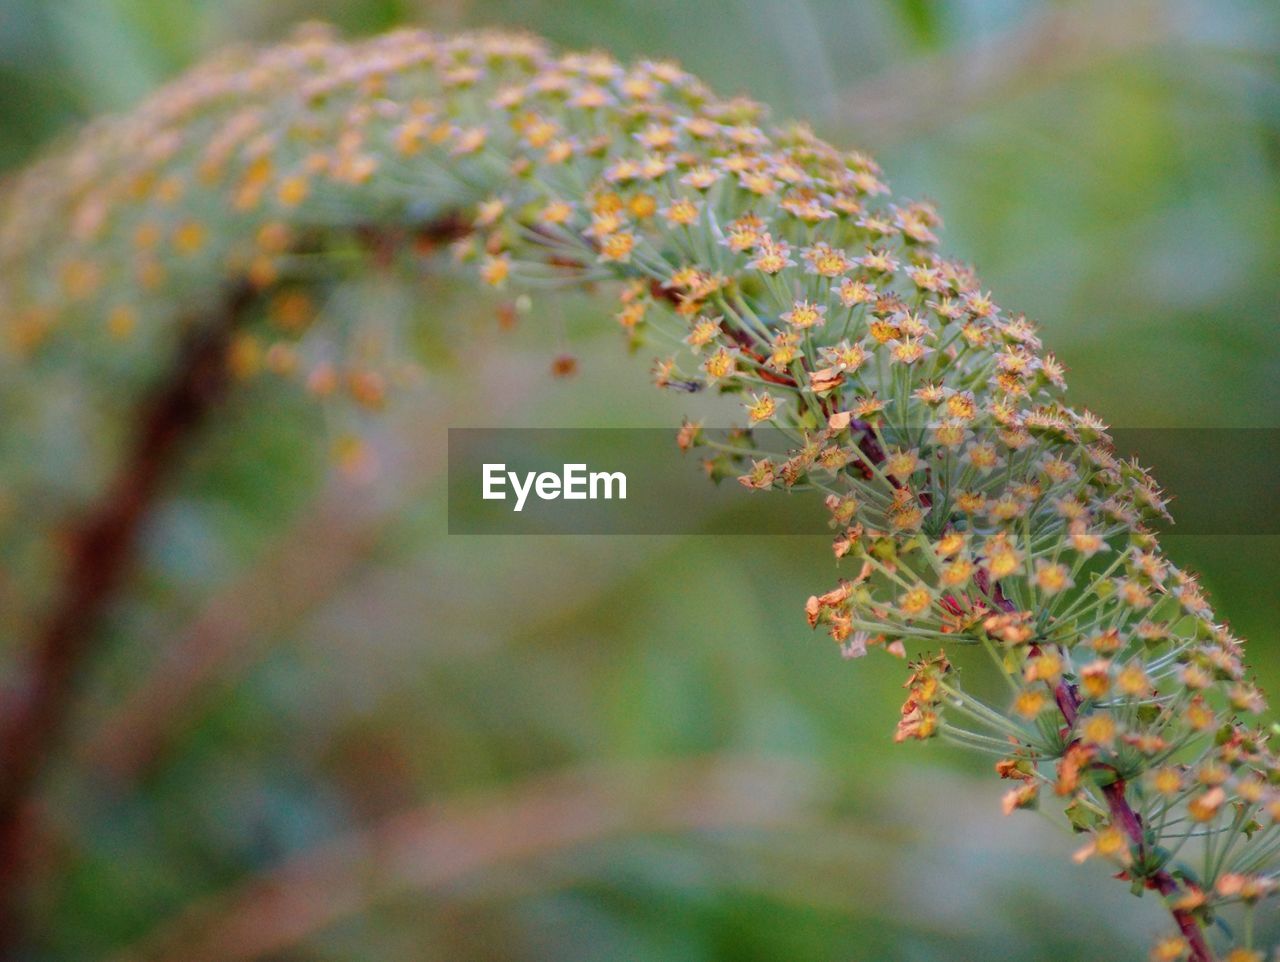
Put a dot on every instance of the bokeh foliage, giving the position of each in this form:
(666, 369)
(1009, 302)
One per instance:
(1114, 173)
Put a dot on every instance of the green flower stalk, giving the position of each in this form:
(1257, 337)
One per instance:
(972, 506)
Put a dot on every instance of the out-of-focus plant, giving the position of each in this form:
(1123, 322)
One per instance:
(194, 243)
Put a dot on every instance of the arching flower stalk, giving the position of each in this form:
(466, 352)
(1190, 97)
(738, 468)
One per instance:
(972, 506)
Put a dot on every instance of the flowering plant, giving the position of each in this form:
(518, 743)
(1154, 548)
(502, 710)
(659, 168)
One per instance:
(971, 505)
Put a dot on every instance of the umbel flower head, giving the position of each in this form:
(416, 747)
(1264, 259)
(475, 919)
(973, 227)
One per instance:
(970, 503)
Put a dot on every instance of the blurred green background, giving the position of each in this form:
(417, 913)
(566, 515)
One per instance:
(424, 730)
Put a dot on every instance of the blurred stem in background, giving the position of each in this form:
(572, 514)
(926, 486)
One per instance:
(100, 559)
(442, 844)
(305, 567)
(1213, 338)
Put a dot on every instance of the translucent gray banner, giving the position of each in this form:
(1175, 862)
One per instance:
(1221, 481)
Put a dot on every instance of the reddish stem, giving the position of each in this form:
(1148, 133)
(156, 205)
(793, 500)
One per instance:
(100, 551)
(1129, 821)
(102, 547)
(1122, 813)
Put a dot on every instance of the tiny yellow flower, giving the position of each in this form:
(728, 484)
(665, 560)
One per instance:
(496, 269)
(772, 257)
(189, 238)
(1030, 703)
(293, 191)
(682, 211)
(805, 315)
(915, 602)
(761, 408)
(719, 365)
(1098, 730)
(1051, 578)
(618, 247)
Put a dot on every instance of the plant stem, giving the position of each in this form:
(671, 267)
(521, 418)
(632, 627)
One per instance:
(101, 550)
(1129, 821)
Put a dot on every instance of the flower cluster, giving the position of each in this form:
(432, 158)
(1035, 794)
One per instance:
(975, 507)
